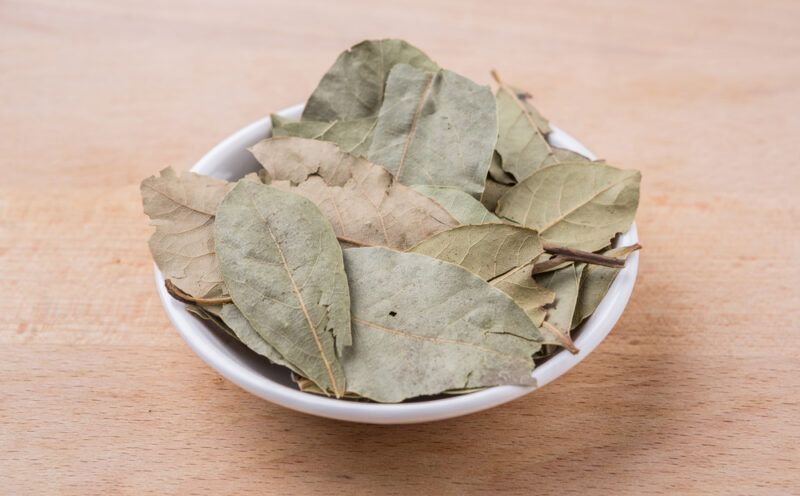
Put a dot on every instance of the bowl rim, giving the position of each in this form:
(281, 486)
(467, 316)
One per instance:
(196, 334)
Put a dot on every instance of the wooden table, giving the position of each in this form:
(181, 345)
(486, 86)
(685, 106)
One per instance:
(695, 391)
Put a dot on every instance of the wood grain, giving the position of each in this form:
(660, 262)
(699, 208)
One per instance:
(695, 392)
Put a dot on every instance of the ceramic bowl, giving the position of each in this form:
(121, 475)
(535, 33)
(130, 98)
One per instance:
(230, 160)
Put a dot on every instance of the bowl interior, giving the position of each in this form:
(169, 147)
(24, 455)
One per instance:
(230, 160)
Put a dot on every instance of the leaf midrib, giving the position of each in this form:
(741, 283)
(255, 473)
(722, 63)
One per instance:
(415, 120)
(433, 339)
(177, 202)
(505, 88)
(299, 297)
(563, 216)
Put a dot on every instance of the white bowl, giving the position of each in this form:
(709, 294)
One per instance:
(230, 160)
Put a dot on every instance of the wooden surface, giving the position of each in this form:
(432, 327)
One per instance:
(696, 390)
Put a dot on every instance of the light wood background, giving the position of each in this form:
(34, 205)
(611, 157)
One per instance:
(696, 390)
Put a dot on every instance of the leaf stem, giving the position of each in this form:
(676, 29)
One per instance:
(184, 297)
(572, 255)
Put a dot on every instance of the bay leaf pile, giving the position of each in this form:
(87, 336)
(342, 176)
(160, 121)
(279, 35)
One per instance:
(412, 234)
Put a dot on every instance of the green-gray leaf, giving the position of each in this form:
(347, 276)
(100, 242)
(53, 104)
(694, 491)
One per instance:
(465, 208)
(531, 297)
(488, 250)
(182, 210)
(422, 326)
(523, 137)
(565, 282)
(496, 172)
(437, 129)
(352, 136)
(579, 205)
(283, 267)
(498, 253)
(228, 318)
(522, 141)
(595, 281)
(308, 386)
(353, 87)
(244, 331)
(361, 200)
(211, 313)
(561, 155)
(492, 192)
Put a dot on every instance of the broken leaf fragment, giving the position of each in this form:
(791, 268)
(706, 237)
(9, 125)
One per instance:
(595, 282)
(308, 386)
(565, 283)
(492, 193)
(496, 172)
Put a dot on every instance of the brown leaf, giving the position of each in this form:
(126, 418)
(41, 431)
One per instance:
(182, 209)
(361, 200)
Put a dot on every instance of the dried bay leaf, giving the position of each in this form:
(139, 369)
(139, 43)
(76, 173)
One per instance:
(492, 193)
(501, 254)
(487, 250)
(422, 326)
(235, 320)
(565, 283)
(283, 268)
(211, 314)
(459, 392)
(308, 386)
(595, 281)
(580, 205)
(284, 126)
(353, 88)
(361, 200)
(182, 210)
(228, 318)
(522, 141)
(352, 136)
(463, 207)
(561, 155)
(436, 129)
(496, 172)
(530, 296)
